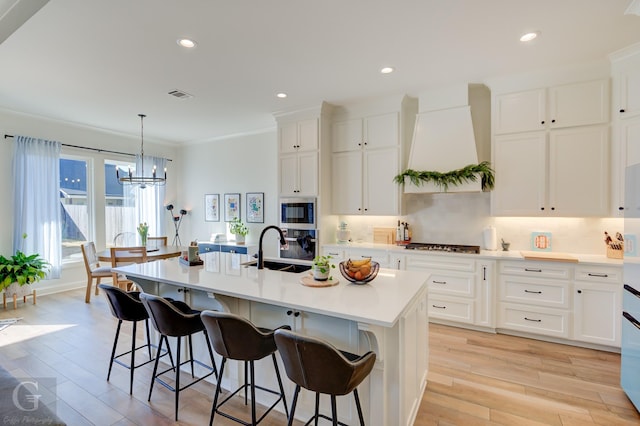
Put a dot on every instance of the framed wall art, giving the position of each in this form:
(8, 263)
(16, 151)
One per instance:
(231, 207)
(255, 207)
(212, 207)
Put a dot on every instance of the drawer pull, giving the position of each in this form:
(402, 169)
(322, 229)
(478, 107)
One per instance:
(532, 292)
(532, 270)
(439, 307)
(439, 282)
(331, 254)
(599, 275)
(532, 320)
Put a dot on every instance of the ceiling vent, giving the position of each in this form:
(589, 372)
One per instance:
(180, 94)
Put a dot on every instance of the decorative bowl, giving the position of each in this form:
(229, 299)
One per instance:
(348, 271)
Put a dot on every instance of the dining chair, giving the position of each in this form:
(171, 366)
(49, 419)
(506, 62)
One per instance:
(94, 270)
(158, 241)
(125, 239)
(121, 256)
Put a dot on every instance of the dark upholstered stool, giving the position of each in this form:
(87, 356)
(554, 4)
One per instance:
(318, 366)
(176, 319)
(236, 338)
(126, 306)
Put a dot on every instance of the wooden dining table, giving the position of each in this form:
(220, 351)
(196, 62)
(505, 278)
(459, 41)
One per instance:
(159, 253)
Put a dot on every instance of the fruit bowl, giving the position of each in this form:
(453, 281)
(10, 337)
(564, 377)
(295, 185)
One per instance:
(354, 271)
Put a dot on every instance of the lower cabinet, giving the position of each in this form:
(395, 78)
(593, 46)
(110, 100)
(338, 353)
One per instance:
(597, 300)
(460, 288)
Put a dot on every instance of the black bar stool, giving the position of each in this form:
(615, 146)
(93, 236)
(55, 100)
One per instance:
(126, 306)
(318, 366)
(176, 319)
(236, 338)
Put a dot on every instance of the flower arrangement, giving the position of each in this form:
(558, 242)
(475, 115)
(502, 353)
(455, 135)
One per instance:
(237, 227)
(22, 269)
(143, 230)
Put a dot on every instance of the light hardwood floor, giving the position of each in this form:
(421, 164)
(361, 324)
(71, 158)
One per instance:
(474, 378)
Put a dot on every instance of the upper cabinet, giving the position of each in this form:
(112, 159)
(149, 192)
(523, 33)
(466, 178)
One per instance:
(551, 151)
(365, 160)
(301, 136)
(625, 69)
(555, 107)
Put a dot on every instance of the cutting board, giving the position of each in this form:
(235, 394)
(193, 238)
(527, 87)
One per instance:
(541, 255)
(384, 235)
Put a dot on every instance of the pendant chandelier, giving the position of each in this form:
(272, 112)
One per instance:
(142, 180)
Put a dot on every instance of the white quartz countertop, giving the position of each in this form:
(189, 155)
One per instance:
(484, 254)
(380, 302)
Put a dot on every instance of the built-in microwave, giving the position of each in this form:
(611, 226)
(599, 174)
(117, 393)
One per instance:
(299, 213)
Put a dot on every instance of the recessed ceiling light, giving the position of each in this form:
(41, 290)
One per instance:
(529, 36)
(387, 70)
(186, 42)
(281, 95)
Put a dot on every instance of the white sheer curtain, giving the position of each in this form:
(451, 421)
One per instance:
(148, 202)
(36, 200)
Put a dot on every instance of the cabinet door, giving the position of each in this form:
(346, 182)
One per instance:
(308, 174)
(308, 135)
(289, 174)
(381, 131)
(288, 137)
(347, 182)
(381, 193)
(579, 104)
(520, 170)
(520, 111)
(597, 313)
(629, 89)
(579, 171)
(347, 135)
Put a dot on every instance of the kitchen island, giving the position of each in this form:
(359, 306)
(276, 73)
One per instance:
(387, 316)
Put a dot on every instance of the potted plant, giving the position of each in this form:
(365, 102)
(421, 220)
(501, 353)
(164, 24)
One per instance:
(239, 229)
(322, 267)
(20, 270)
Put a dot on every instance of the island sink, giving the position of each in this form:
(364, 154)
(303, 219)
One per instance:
(280, 266)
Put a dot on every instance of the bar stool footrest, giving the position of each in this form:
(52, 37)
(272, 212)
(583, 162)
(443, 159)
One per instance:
(245, 386)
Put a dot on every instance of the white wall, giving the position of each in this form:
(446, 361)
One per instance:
(236, 165)
(73, 274)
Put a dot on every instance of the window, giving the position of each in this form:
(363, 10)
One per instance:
(75, 201)
(120, 217)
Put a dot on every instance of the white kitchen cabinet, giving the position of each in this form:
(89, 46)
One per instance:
(299, 174)
(569, 105)
(535, 297)
(540, 177)
(378, 131)
(458, 290)
(363, 182)
(597, 305)
(626, 85)
(298, 136)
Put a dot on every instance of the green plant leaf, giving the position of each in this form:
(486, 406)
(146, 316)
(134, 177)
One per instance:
(453, 178)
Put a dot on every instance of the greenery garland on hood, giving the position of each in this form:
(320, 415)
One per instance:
(453, 178)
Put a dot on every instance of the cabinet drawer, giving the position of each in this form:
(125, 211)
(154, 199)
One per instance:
(537, 269)
(535, 292)
(600, 274)
(451, 309)
(450, 263)
(538, 320)
(206, 248)
(454, 285)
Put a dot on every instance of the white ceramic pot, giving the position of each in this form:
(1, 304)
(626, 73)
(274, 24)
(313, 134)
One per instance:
(240, 239)
(318, 273)
(18, 290)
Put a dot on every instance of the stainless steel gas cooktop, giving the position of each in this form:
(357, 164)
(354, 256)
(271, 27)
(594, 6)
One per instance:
(450, 248)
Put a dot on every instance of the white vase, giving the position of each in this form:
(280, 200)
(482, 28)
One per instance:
(240, 239)
(318, 273)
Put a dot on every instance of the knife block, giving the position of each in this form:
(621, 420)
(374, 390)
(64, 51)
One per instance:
(615, 253)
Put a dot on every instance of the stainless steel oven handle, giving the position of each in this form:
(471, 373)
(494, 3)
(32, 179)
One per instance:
(631, 319)
(632, 290)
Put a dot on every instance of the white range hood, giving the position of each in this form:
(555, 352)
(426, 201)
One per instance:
(444, 140)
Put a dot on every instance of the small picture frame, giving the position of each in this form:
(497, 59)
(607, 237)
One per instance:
(231, 206)
(255, 207)
(541, 241)
(212, 207)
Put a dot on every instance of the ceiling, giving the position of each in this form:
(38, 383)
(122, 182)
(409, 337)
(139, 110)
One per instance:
(100, 63)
